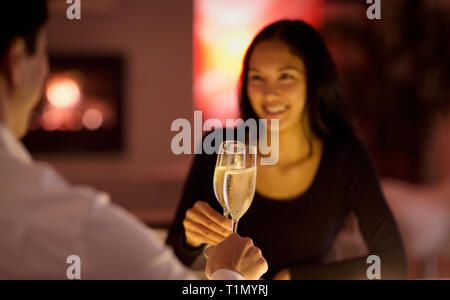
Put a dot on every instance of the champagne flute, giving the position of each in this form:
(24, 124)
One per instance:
(218, 181)
(239, 180)
(219, 173)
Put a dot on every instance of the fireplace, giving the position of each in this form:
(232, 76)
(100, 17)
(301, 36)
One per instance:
(82, 109)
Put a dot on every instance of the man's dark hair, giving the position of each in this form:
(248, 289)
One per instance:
(21, 18)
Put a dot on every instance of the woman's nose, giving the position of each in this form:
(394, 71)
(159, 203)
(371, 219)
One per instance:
(269, 89)
(270, 92)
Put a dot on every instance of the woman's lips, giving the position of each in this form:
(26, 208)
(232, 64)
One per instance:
(275, 110)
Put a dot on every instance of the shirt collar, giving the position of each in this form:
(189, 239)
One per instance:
(13, 146)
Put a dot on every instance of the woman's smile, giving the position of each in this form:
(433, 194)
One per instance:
(275, 109)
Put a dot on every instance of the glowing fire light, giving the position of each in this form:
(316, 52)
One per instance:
(52, 119)
(63, 93)
(92, 119)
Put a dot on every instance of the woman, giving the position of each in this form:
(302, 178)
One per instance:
(323, 174)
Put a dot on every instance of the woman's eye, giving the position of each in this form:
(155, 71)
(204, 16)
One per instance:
(255, 78)
(286, 76)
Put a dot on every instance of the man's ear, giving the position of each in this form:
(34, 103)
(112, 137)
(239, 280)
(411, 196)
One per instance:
(13, 61)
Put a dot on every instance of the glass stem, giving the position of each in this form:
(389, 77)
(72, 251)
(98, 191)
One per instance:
(235, 225)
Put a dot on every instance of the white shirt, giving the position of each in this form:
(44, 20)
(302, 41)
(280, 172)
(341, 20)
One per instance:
(44, 220)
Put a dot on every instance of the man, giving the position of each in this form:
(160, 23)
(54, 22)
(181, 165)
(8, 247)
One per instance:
(44, 219)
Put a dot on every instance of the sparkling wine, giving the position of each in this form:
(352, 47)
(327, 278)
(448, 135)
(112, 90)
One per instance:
(239, 189)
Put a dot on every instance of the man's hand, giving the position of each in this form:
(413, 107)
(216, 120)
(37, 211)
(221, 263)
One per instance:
(239, 255)
(204, 225)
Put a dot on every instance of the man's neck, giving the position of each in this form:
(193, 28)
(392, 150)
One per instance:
(3, 101)
(5, 116)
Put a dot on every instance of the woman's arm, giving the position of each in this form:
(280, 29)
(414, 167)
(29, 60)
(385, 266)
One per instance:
(376, 222)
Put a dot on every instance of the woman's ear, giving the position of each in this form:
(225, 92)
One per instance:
(14, 60)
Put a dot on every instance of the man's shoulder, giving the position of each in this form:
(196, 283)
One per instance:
(42, 188)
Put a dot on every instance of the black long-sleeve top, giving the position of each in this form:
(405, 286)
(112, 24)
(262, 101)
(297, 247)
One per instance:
(298, 233)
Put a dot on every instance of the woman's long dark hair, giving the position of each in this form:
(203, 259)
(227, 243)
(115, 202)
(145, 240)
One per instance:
(324, 102)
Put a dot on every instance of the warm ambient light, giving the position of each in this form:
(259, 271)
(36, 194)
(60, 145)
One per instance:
(223, 29)
(63, 92)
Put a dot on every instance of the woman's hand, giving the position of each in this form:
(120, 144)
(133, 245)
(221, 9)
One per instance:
(284, 274)
(204, 225)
